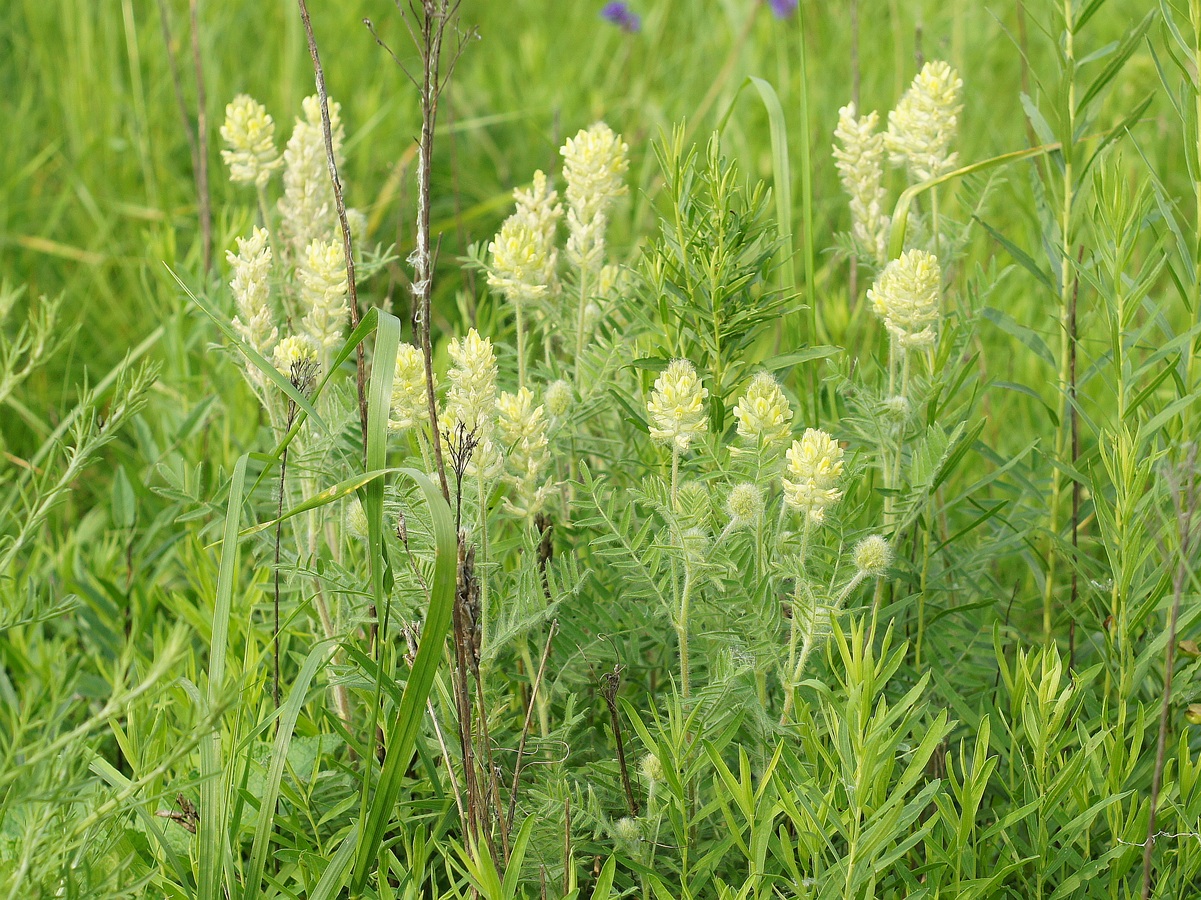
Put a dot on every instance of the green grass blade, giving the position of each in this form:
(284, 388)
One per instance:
(403, 732)
(211, 830)
(106, 771)
(333, 879)
(279, 757)
(782, 172)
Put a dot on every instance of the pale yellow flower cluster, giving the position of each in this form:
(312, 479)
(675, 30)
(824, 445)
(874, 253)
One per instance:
(293, 351)
(251, 286)
(324, 291)
(521, 431)
(905, 296)
(859, 157)
(249, 132)
(409, 405)
(923, 126)
(677, 406)
(307, 206)
(815, 465)
(520, 262)
(595, 163)
(471, 398)
(763, 414)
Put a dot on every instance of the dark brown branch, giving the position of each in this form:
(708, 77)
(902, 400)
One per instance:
(202, 150)
(347, 246)
(610, 682)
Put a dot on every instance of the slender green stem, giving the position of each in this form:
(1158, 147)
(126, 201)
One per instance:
(521, 345)
(1065, 337)
(579, 328)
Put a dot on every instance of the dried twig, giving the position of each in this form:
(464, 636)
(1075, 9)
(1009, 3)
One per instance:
(202, 151)
(347, 246)
(529, 718)
(610, 682)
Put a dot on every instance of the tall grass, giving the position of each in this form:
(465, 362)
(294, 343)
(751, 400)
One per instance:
(662, 675)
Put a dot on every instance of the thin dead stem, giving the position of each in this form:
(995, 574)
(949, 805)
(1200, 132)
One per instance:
(347, 245)
(202, 150)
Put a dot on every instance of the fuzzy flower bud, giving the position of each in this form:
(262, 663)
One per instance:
(905, 296)
(251, 286)
(745, 505)
(472, 396)
(521, 430)
(559, 397)
(249, 131)
(677, 406)
(356, 520)
(410, 405)
(307, 206)
(594, 166)
(922, 127)
(873, 555)
(652, 768)
(815, 464)
(860, 162)
(764, 417)
(324, 290)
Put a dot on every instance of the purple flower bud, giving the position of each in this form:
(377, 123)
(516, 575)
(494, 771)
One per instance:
(783, 8)
(622, 16)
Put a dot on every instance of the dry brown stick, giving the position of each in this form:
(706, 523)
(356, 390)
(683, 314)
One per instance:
(184, 115)
(1183, 484)
(433, 26)
(610, 682)
(347, 246)
(529, 718)
(202, 140)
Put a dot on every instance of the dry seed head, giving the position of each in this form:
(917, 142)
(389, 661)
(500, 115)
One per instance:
(410, 405)
(763, 414)
(677, 406)
(905, 296)
(324, 291)
(249, 132)
(472, 396)
(251, 286)
(815, 465)
(922, 127)
(859, 156)
(873, 555)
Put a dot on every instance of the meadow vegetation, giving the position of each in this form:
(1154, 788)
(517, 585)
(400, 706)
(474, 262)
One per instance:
(670, 450)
